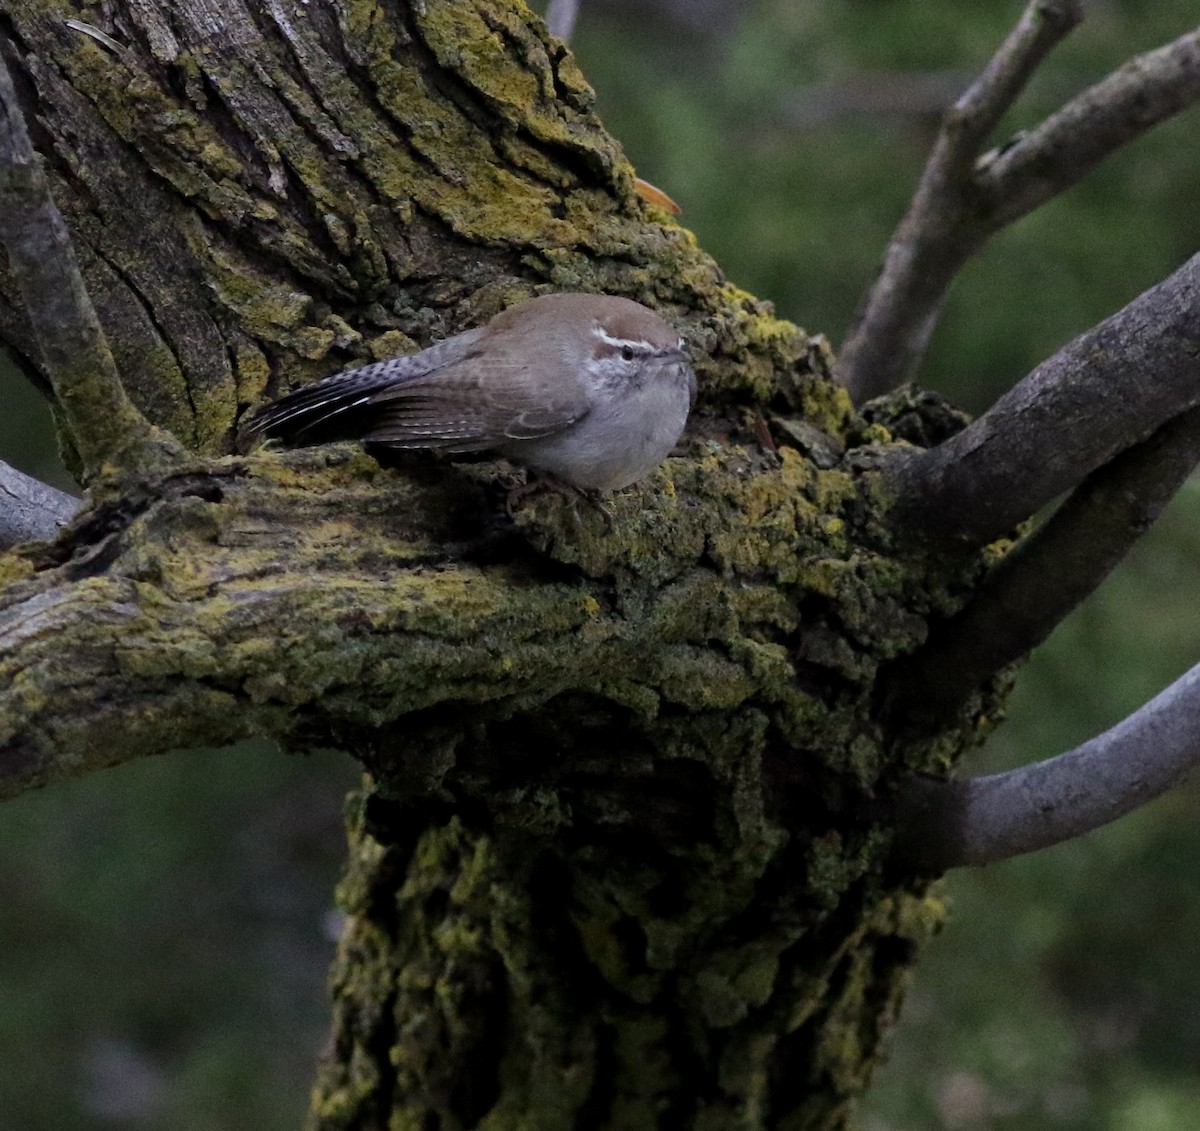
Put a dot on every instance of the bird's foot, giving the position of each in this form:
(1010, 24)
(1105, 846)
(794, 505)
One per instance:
(538, 482)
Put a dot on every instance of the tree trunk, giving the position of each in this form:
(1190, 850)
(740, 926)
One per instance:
(619, 863)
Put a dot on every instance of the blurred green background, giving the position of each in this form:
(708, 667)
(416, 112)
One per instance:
(165, 927)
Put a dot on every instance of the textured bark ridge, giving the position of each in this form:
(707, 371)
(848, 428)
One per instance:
(614, 866)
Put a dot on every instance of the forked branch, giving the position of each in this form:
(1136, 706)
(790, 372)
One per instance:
(1047, 575)
(964, 197)
(1091, 127)
(940, 231)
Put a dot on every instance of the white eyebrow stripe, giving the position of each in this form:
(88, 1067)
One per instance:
(608, 339)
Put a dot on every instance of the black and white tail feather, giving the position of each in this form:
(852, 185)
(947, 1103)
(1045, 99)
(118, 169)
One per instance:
(326, 410)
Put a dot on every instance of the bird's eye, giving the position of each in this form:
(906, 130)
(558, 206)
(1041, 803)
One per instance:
(628, 353)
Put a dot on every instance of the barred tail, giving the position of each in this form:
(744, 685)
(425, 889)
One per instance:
(323, 411)
(327, 410)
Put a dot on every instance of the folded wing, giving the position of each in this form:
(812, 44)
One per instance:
(450, 399)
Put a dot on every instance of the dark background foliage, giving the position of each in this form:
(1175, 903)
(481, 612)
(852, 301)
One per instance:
(164, 928)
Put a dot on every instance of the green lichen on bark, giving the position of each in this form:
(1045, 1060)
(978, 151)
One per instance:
(649, 742)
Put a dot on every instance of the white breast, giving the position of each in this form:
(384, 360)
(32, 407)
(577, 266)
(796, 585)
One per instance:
(624, 437)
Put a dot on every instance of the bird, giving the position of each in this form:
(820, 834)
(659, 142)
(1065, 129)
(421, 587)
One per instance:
(593, 390)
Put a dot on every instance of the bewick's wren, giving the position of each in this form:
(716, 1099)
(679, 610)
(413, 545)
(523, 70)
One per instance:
(591, 388)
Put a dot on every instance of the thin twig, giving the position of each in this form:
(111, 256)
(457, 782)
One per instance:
(1042, 25)
(102, 421)
(1105, 391)
(30, 510)
(1047, 575)
(951, 824)
(560, 18)
(940, 230)
(1072, 142)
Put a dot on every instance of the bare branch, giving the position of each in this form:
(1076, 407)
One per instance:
(103, 423)
(1042, 26)
(1048, 575)
(1071, 143)
(30, 510)
(951, 824)
(961, 201)
(1058, 425)
(941, 228)
(560, 18)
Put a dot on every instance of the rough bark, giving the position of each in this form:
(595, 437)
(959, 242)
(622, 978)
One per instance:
(651, 749)
(615, 865)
